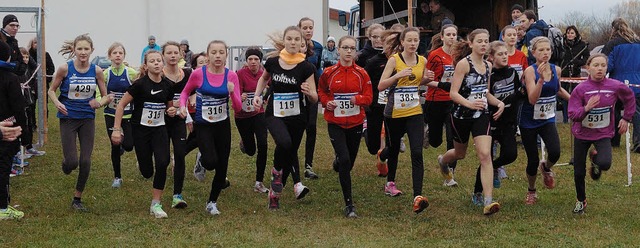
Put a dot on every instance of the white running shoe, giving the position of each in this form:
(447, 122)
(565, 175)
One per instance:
(403, 146)
(156, 210)
(260, 188)
(198, 169)
(450, 183)
(212, 208)
(300, 190)
(117, 182)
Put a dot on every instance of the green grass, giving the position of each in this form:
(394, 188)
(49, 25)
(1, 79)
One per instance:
(120, 217)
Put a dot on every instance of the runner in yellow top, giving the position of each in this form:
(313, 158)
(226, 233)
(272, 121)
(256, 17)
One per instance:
(404, 72)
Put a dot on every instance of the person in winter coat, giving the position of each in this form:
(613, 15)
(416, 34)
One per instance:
(330, 53)
(533, 28)
(576, 53)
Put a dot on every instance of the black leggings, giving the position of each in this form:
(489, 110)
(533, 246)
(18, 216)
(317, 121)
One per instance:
(549, 135)
(310, 142)
(413, 127)
(192, 141)
(177, 131)
(580, 152)
(287, 134)
(26, 138)
(152, 143)
(214, 142)
(505, 135)
(436, 115)
(375, 120)
(253, 132)
(346, 143)
(127, 142)
(7, 151)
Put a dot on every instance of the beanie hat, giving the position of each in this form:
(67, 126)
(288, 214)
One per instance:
(5, 51)
(151, 37)
(446, 21)
(9, 19)
(518, 7)
(184, 42)
(331, 39)
(253, 51)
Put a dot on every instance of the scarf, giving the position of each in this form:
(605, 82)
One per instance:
(291, 59)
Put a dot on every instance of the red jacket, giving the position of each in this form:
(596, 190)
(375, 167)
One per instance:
(339, 79)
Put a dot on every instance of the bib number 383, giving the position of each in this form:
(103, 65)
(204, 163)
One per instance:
(286, 104)
(406, 97)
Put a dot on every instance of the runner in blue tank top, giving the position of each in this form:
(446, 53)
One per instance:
(78, 80)
(537, 115)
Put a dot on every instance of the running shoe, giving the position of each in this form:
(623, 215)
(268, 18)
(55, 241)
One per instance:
(19, 155)
(156, 210)
(117, 183)
(450, 183)
(391, 190)
(446, 173)
(580, 207)
(548, 176)
(260, 188)
(420, 203)
(34, 152)
(350, 212)
(502, 172)
(78, 206)
(274, 200)
(594, 171)
(198, 170)
(496, 179)
(11, 214)
(309, 174)
(403, 146)
(492, 208)
(477, 199)
(300, 190)
(383, 169)
(276, 181)
(212, 208)
(178, 202)
(532, 198)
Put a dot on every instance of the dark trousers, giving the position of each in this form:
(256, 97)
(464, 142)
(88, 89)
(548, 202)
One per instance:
(287, 134)
(505, 135)
(580, 152)
(346, 143)
(152, 143)
(413, 127)
(436, 115)
(253, 132)
(549, 135)
(310, 142)
(26, 138)
(214, 142)
(127, 142)
(84, 130)
(177, 131)
(7, 151)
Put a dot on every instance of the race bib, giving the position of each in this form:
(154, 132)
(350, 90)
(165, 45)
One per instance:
(478, 92)
(447, 75)
(345, 107)
(518, 69)
(406, 97)
(117, 96)
(545, 108)
(247, 104)
(382, 96)
(214, 109)
(286, 104)
(502, 89)
(176, 100)
(152, 114)
(598, 118)
(81, 91)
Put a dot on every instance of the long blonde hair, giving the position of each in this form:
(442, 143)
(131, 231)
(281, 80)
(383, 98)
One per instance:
(621, 29)
(69, 45)
(278, 41)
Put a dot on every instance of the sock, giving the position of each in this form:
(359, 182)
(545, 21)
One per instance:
(154, 202)
(488, 200)
(4, 210)
(77, 199)
(532, 190)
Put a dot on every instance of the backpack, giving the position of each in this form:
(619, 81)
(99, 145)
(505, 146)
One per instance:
(557, 45)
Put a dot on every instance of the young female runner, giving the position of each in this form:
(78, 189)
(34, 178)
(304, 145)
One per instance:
(343, 90)
(78, 80)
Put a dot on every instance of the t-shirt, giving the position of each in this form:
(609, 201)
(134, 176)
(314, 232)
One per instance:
(150, 101)
(287, 100)
(441, 64)
(518, 61)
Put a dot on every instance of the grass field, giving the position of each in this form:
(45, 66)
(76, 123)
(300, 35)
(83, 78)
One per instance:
(120, 217)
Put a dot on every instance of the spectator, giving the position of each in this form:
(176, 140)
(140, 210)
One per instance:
(439, 16)
(30, 96)
(152, 46)
(516, 12)
(575, 56)
(10, 27)
(532, 27)
(623, 50)
(330, 53)
(184, 48)
(33, 52)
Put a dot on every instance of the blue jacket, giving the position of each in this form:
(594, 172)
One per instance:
(316, 59)
(536, 29)
(624, 63)
(155, 47)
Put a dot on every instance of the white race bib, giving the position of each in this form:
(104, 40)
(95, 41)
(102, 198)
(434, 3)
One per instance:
(447, 75)
(81, 91)
(518, 69)
(345, 107)
(478, 92)
(545, 108)
(597, 118)
(152, 114)
(247, 104)
(214, 109)
(286, 104)
(406, 97)
(117, 97)
(382, 96)
(503, 89)
(176, 100)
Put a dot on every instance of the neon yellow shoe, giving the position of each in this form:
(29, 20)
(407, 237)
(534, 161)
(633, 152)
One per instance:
(11, 213)
(178, 202)
(492, 208)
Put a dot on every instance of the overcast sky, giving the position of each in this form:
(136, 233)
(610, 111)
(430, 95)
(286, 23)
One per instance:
(550, 10)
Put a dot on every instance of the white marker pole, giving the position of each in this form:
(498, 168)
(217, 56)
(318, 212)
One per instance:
(628, 137)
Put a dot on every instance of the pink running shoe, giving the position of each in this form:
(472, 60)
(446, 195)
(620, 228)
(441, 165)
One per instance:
(549, 180)
(391, 190)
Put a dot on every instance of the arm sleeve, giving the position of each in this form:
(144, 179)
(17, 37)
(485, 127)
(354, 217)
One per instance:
(236, 97)
(17, 103)
(576, 106)
(195, 81)
(51, 68)
(626, 95)
(366, 96)
(132, 73)
(323, 90)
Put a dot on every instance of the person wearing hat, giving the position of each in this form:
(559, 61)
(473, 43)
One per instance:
(186, 53)
(516, 12)
(152, 46)
(330, 53)
(10, 27)
(12, 117)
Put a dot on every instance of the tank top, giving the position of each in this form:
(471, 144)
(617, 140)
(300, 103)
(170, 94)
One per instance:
(118, 85)
(475, 86)
(76, 90)
(544, 110)
(212, 102)
(403, 99)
